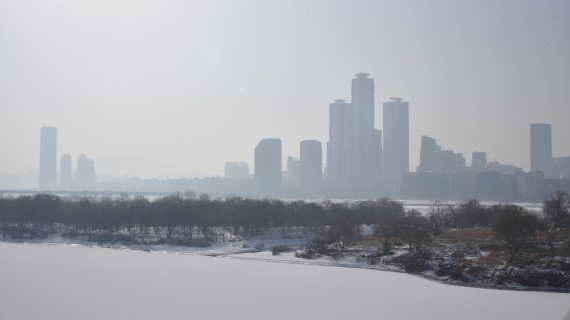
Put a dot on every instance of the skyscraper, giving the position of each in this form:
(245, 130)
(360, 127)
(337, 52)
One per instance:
(363, 134)
(541, 148)
(311, 158)
(48, 158)
(65, 172)
(429, 154)
(339, 146)
(396, 150)
(267, 165)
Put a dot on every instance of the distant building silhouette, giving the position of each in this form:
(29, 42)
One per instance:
(65, 178)
(529, 184)
(48, 158)
(459, 162)
(364, 146)
(429, 155)
(396, 148)
(311, 160)
(541, 148)
(85, 175)
(267, 165)
(496, 166)
(339, 146)
(561, 167)
(236, 170)
(433, 159)
(293, 168)
(479, 161)
(292, 173)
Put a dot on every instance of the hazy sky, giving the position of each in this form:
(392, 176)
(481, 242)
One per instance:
(165, 88)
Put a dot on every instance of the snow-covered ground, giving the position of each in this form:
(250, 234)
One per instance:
(228, 245)
(40, 281)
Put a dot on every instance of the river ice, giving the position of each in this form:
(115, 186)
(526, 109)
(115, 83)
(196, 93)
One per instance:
(39, 281)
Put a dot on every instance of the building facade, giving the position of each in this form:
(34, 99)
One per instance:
(479, 161)
(396, 148)
(311, 166)
(364, 146)
(541, 148)
(236, 170)
(339, 146)
(85, 175)
(267, 166)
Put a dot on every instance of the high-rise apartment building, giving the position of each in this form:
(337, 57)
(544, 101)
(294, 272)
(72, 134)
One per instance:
(429, 155)
(311, 162)
(364, 162)
(541, 148)
(339, 146)
(396, 148)
(267, 165)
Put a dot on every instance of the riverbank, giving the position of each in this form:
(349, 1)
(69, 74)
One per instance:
(259, 248)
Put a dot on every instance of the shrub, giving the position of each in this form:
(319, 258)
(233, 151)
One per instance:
(279, 249)
(453, 271)
(413, 262)
(539, 278)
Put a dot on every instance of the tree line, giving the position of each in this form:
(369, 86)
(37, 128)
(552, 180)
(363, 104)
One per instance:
(187, 217)
(177, 216)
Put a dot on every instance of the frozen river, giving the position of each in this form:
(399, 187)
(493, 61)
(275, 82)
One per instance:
(72, 282)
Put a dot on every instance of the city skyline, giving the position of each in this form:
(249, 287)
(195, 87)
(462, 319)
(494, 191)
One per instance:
(345, 136)
(412, 165)
(540, 134)
(284, 159)
(148, 113)
(363, 162)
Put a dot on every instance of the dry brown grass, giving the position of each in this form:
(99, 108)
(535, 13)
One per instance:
(469, 236)
(370, 240)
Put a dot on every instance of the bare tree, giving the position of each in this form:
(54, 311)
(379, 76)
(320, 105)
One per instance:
(437, 217)
(556, 209)
(414, 229)
(516, 227)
